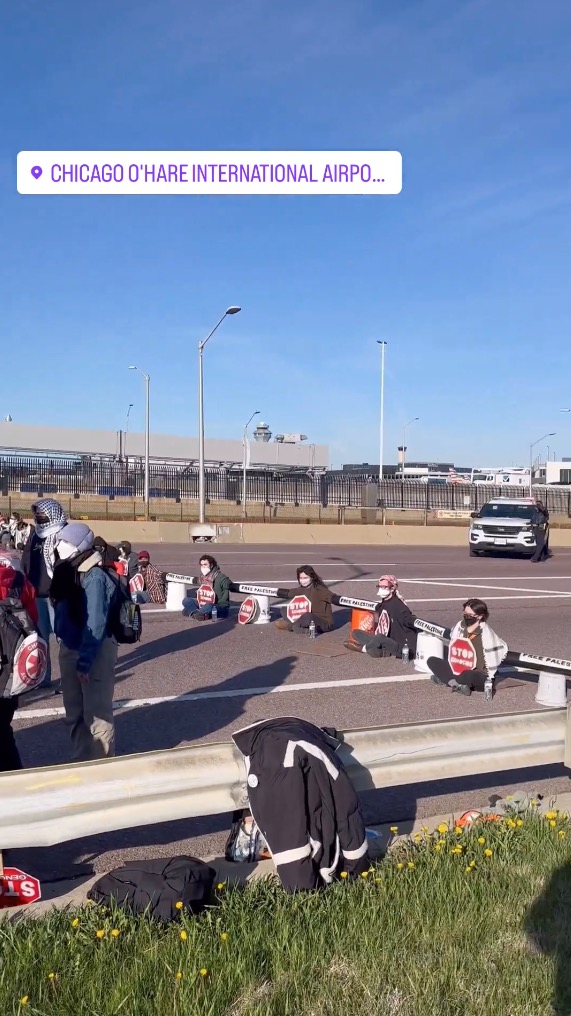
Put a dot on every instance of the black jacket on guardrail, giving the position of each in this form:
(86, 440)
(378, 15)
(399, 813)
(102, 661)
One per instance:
(303, 802)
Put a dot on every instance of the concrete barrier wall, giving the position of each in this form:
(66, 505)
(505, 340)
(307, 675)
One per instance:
(140, 533)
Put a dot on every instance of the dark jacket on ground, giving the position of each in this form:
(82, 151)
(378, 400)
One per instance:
(34, 565)
(320, 599)
(303, 802)
(396, 620)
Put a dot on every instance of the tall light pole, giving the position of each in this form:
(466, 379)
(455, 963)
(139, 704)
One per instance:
(201, 345)
(245, 463)
(383, 346)
(404, 430)
(147, 380)
(127, 428)
(531, 447)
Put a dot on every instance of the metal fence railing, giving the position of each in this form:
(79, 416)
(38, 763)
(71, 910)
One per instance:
(82, 477)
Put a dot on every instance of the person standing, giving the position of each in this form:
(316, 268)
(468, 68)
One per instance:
(83, 595)
(540, 528)
(38, 560)
(13, 585)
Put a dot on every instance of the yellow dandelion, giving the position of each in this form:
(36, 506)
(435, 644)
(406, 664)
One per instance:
(410, 865)
(458, 830)
(24, 1000)
(394, 828)
(378, 881)
(481, 840)
(488, 852)
(100, 933)
(75, 922)
(179, 975)
(221, 886)
(534, 803)
(519, 823)
(203, 972)
(400, 866)
(562, 834)
(553, 823)
(437, 848)
(344, 874)
(550, 815)
(364, 874)
(224, 936)
(179, 905)
(52, 976)
(115, 933)
(469, 869)
(472, 864)
(441, 843)
(417, 837)
(183, 936)
(442, 829)
(424, 828)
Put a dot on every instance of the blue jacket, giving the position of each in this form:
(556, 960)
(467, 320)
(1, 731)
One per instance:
(99, 593)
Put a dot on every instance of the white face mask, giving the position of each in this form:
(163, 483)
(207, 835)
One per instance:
(383, 594)
(305, 582)
(65, 550)
(204, 569)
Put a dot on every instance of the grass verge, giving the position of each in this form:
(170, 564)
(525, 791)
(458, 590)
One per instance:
(458, 923)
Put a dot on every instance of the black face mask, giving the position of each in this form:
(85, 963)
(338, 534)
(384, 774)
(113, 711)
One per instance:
(469, 620)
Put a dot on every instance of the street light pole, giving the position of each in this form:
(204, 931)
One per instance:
(147, 380)
(127, 430)
(383, 346)
(531, 447)
(245, 465)
(201, 477)
(404, 430)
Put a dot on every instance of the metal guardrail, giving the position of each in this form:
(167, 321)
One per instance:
(43, 807)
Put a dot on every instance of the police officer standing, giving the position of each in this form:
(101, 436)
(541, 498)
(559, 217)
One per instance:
(540, 526)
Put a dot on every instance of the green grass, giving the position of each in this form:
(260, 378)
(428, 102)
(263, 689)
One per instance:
(419, 936)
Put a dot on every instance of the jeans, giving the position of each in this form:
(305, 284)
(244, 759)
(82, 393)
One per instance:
(89, 706)
(46, 628)
(190, 606)
(377, 646)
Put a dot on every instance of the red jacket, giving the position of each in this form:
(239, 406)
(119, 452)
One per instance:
(13, 583)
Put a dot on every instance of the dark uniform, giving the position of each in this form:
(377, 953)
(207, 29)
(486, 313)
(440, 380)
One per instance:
(539, 527)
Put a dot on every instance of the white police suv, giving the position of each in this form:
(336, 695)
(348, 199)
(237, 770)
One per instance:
(504, 524)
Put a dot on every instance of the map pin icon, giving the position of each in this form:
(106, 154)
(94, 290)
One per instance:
(36, 172)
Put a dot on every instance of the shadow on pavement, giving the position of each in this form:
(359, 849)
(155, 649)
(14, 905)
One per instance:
(549, 931)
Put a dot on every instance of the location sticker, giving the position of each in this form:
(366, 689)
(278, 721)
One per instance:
(36, 172)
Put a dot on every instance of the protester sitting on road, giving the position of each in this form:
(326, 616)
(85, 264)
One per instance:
(128, 555)
(83, 595)
(474, 654)
(394, 625)
(154, 590)
(13, 585)
(213, 588)
(318, 599)
(38, 559)
(109, 554)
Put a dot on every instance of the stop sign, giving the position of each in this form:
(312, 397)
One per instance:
(461, 656)
(205, 595)
(297, 607)
(248, 610)
(137, 583)
(17, 888)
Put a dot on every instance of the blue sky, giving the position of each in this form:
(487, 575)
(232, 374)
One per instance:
(465, 274)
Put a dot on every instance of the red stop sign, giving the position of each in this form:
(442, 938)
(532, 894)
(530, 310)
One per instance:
(297, 607)
(461, 656)
(248, 610)
(17, 888)
(205, 595)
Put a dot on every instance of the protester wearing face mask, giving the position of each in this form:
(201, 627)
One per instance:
(213, 588)
(38, 560)
(394, 625)
(316, 592)
(83, 595)
(474, 654)
(154, 581)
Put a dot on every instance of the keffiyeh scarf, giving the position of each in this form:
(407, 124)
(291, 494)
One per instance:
(47, 531)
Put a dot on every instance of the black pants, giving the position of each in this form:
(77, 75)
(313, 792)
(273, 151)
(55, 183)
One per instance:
(475, 679)
(9, 754)
(377, 646)
(302, 624)
(540, 553)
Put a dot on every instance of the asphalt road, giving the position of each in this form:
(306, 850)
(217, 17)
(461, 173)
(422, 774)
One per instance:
(188, 682)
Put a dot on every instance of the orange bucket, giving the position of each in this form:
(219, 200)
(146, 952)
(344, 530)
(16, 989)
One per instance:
(363, 620)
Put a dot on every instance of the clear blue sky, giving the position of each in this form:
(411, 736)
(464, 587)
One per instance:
(466, 273)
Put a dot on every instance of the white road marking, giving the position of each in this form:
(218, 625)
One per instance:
(122, 704)
(471, 585)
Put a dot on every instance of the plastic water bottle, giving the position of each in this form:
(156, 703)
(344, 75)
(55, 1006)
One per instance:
(214, 614)
(312, 631)
(488, 689)
(405, 653)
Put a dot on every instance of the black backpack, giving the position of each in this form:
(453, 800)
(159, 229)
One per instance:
(125, 620)
(155, 887)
